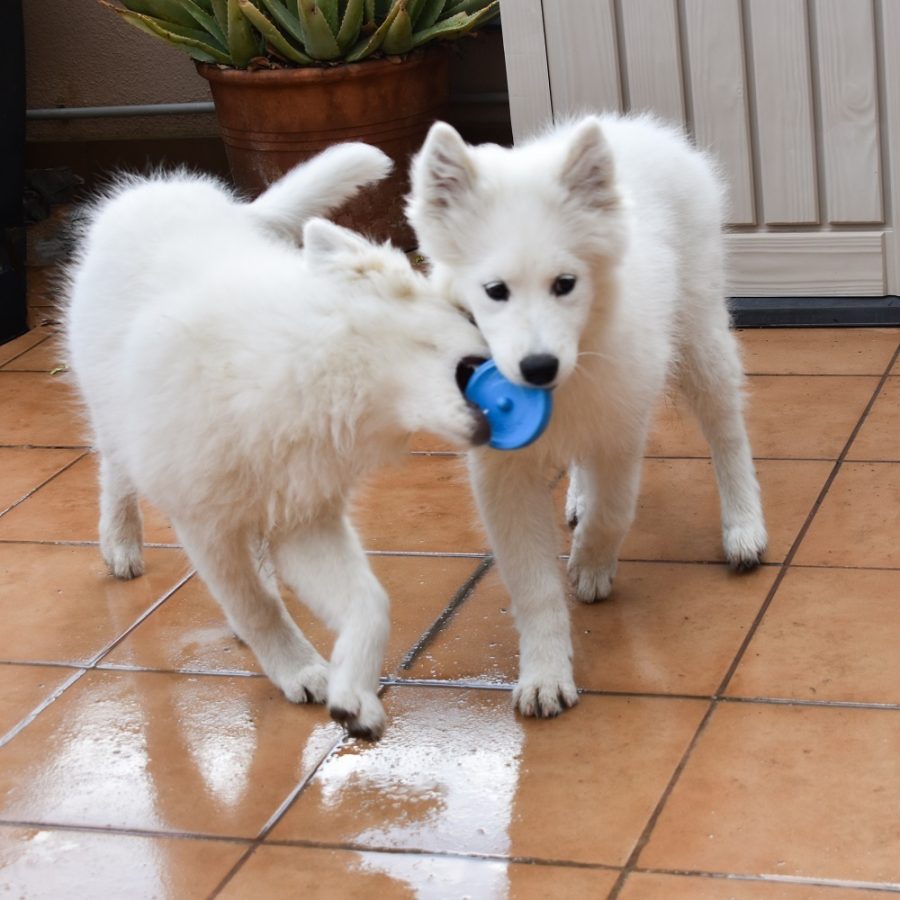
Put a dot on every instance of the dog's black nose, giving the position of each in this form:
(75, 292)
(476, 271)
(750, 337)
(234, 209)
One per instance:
(539, 368)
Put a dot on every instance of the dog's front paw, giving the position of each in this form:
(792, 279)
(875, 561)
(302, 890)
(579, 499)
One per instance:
(306, 685)
(745, 545)
(360, 713)
(591, 582)
(544, 698)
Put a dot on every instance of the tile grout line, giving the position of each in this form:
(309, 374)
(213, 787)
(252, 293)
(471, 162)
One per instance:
(643, 839)
(884, 887)
(275, 818)
(12, 359)
(815, 374)
(105, 651)
(43, 484)
(26, 720)
(465, 684)
(444, 854)
(448, 612)
(804, 529)
(90, 666)
(124, 832)
(386, 684)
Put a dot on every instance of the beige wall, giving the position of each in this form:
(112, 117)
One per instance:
(78, 53)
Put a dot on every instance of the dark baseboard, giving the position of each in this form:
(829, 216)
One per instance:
(814, 312)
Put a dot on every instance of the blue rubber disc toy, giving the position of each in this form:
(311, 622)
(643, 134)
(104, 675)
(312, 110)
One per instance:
(517, 414)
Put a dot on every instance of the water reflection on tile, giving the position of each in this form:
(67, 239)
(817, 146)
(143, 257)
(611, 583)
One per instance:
(285, 873)
(80, 606)
(459, 771)
(189, 631)
(163, 753)
(667, 628)
(40, 864)
(24, 688)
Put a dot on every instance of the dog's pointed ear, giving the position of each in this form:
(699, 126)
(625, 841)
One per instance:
(322, 240)
(588, 171)
(442, 173)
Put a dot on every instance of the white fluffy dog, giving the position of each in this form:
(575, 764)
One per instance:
(243, 385)
(591, 259)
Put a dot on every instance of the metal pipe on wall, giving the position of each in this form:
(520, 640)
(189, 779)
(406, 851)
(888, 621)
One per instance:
(205, 106)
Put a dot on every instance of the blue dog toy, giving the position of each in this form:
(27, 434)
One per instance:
(517, 415)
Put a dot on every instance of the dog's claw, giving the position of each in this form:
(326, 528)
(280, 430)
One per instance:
(746, 565)
(365, 721)
(308, 685)
(744, 547)
(545, 701)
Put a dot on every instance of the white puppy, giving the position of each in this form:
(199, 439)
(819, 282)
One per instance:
(592, 261)
(244, 385)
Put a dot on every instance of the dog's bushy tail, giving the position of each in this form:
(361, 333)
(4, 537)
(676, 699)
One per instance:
(316, 187)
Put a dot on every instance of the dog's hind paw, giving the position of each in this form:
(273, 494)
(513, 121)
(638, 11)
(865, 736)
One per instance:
(544, 699)
(124, 562)
(361, 714)
(307, 685)
(744, 546)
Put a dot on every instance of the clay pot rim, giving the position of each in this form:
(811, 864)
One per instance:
(339, 72)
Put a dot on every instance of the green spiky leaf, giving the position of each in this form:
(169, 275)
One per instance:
(368, 46)
(243, 44)
(285, 19)
(209, 23)
(271, 34)
(330, 11)
(465, 6)
(456, 25)
(169, 11)
(351, 24)
(399, 38)
(414, 8)
(431, 11)
(220, 11)
(318, 37)
(184, 39)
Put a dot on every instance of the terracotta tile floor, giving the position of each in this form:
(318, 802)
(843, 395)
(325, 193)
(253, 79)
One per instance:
(737, 737)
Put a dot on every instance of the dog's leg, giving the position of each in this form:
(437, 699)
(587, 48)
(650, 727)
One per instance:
(517, 509)
(711, 378)
(121, 523)
(327, 568)
(255, 612)
(604, 492)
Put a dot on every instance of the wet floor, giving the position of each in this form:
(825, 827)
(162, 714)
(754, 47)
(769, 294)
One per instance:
(736, 736)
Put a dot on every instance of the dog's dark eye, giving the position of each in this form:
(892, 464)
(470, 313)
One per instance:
(563, 285)
(497, 290)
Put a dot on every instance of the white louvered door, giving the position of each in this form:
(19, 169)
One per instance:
(798, 99)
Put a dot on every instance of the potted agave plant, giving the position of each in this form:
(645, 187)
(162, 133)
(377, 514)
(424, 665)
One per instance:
(291, 77)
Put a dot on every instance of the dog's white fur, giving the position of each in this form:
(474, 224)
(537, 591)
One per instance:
(634, 213)
(244, 385)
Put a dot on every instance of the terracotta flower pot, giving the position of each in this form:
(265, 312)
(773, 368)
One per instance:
(272, 119)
